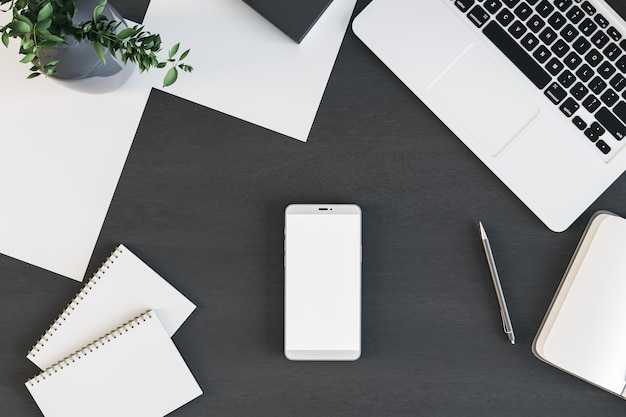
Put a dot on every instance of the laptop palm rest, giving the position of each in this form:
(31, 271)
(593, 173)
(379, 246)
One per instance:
(474, 82)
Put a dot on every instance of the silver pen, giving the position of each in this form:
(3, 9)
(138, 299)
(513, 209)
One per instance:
(504, 312)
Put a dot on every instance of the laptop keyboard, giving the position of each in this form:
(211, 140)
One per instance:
(568, 50)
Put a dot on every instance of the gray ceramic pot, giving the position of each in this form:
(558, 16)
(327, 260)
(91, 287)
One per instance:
(79, 66)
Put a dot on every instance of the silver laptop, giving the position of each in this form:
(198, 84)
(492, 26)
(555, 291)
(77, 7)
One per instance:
(535, 88)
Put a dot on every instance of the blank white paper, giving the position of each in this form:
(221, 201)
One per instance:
(245, 67)
(61, 156)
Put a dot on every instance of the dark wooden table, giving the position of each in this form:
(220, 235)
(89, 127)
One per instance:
(201, 200)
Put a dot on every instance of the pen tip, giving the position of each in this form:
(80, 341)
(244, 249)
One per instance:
(483, 235)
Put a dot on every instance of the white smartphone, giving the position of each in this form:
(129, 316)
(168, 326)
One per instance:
(323, 282)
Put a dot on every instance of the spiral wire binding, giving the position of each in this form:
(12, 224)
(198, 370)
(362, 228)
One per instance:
(75, 301)
(96, 344)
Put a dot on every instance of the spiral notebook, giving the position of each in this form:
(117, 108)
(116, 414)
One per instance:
(122, 288)
(133, 371)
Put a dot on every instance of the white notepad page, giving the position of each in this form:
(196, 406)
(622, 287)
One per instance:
(246, 67)
(123, 288)
(135, 371)
(587, 337)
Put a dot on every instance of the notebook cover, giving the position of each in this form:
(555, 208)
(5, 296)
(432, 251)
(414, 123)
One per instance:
(134, 370)
(294, 18)
(123, 288)
(580, 333)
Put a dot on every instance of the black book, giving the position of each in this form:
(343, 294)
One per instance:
(294, 17)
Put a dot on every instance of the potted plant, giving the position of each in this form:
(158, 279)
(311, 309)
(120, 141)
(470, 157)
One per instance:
(78, 39)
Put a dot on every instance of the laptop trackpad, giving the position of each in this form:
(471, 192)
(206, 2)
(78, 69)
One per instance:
(475, 95)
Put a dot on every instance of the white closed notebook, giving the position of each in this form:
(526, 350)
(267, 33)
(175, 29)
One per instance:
(583, 332)
(133, 371)
(123, 288)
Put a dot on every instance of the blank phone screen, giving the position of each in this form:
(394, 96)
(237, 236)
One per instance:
(323, 282)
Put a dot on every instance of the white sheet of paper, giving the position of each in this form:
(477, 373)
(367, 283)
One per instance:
(61, 156)
(247, 68)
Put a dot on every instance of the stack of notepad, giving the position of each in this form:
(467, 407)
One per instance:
(109, 353)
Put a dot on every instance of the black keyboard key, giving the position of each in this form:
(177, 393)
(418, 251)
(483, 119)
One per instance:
(548, 36)
(621, 63)
(597, 128)
(542, 54)
(620, 110)
(523, 11)
(556, 20)
(562, 5)
(606, 70)
(569, 107)
(594, 57)
(478, 16)
(560, 48)
(603, 146)
(618, 82)
(609, 97)
(517, 29)
(569, 32)
(510, 3)
(535, 23)
(601, 21)
(516, 54)
(566, 79)
(600, 39)
(622, 44)
(544, 8)
(532, 2)
(493, 6)
(611, 123)
(555, 93)
(612, 51)
(614, 34)
(581, 45)
(579, 91)
(505, 17)
(585, 72)
(572, 60)
(587, 27)
(579, 123)
(597, 85)
(588, 8)
(554, 66)
(575, 14)
(591, 135)
(591, 103)
(464, 5)
(529, 42)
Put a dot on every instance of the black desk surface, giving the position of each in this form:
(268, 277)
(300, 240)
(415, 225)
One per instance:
(201, 200)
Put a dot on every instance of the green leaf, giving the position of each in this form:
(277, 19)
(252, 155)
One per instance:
(44, 25)
(184, 55)
(21, 27)
(170, 77)
(99, 52)
(45, 13)
(126, 33)
(98, 10)
(24, 19)
(33, 75)
(54, 38)
(27, 43)
(5, 39)
(174, 50)
(28, 58)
